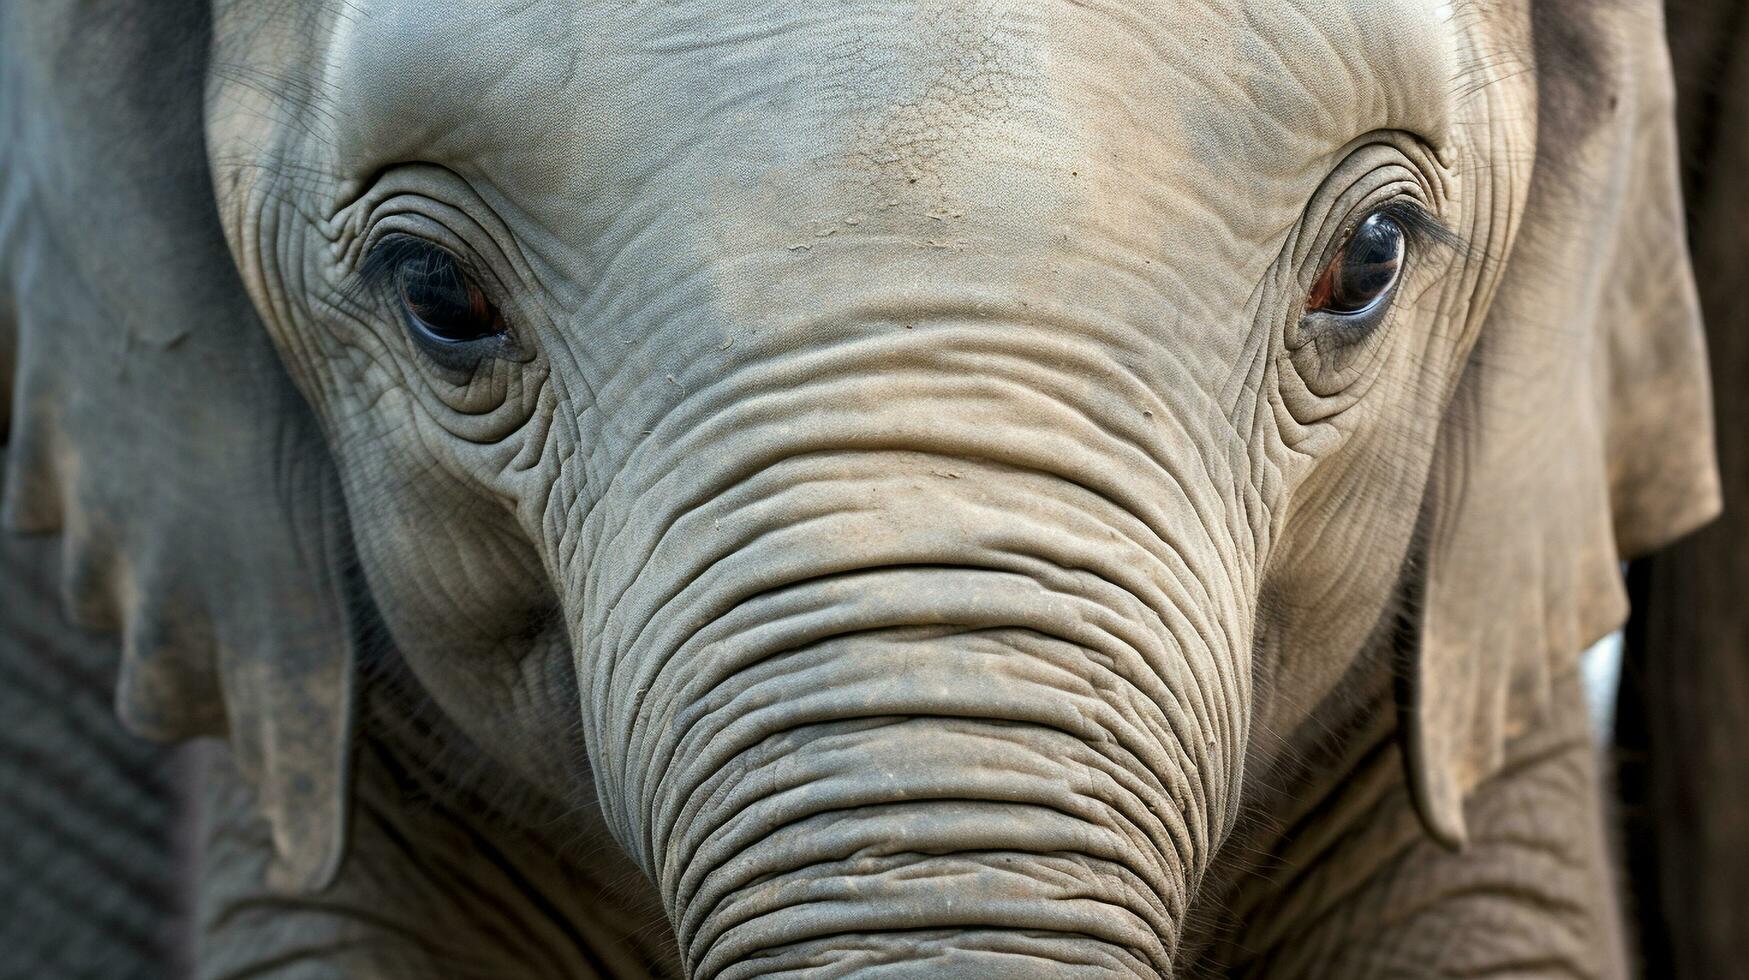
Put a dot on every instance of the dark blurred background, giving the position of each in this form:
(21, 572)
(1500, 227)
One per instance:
(1682, 722)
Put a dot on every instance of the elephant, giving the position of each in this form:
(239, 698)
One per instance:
(998, 488)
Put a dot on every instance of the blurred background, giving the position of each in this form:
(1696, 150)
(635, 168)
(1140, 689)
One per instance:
(1681, 733)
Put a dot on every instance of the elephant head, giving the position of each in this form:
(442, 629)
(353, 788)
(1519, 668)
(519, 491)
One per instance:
(906, 460)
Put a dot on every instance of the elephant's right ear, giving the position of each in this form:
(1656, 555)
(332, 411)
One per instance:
(150, 424)
(1580, 434)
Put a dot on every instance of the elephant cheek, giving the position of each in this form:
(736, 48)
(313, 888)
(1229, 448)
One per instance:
(933, 709)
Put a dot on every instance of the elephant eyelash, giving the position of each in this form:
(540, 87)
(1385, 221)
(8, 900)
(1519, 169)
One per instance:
(373, 287)
(369, 289)
(1422, 231)
(450, 318)
(375, 275)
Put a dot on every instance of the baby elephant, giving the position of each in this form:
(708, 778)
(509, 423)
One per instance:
(892, 488)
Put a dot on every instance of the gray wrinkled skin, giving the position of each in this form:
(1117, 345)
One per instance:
(913, 527)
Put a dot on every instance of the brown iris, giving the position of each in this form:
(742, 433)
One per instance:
(442, 302)
(1363, 271)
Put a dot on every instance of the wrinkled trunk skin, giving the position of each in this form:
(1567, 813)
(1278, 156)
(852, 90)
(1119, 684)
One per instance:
(923, 670)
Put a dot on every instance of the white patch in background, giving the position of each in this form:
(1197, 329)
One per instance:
(1600, 671)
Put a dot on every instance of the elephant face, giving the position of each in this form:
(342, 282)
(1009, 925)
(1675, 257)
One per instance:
(882, 427)
(899, 457)
(906, 436)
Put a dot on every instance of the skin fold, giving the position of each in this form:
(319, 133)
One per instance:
(907, 519)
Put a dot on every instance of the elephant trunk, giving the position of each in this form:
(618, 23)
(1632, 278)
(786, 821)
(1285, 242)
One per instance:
(937, 683)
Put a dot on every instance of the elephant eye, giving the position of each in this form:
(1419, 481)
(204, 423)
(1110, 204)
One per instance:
(442, 303)
(1363, 271)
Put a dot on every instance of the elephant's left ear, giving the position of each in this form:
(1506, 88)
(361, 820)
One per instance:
(1581, 433)
(151, 427)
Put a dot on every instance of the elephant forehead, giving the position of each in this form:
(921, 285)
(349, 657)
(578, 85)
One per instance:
(572, 98)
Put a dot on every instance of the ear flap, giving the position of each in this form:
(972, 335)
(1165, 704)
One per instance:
(1581, 433)
(151, 426)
